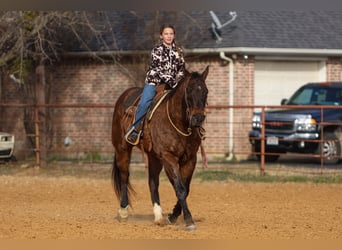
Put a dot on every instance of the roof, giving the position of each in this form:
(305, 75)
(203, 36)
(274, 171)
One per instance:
(130, 30)
(286, 29)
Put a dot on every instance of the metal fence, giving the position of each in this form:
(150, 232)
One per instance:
(76, 132)
(328, 126)
(70, 132)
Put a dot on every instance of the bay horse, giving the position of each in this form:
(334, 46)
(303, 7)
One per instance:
(171, 139)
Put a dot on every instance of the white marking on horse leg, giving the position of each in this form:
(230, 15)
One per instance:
(157, 210)
(123, 213)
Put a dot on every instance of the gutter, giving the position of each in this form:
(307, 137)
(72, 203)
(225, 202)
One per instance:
(268, 51)
(230, 50)
(231, 103)
(109, 53)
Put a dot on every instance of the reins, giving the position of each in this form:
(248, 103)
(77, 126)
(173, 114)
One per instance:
(189, 132)
(201, 130)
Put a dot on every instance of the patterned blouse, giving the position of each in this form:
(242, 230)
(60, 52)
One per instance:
(167, 65)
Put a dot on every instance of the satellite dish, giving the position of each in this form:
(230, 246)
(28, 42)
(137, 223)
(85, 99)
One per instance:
(216, 33)
(216, 25)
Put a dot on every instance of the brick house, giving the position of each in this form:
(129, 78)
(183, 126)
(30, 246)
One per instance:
(257, 59)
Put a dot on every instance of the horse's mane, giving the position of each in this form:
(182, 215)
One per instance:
(195, 75)
(192, 75)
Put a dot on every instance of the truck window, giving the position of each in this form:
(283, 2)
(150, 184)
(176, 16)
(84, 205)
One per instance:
(303, 96)
(320, 96)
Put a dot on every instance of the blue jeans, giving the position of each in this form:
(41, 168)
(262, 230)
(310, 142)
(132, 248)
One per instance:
(149, 91)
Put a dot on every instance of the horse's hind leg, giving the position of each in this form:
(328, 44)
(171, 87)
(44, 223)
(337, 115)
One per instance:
(154, 169)
(120, 177)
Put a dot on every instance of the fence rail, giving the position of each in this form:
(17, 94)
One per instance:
(82, 132)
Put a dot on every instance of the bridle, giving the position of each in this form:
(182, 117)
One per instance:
(201, 130)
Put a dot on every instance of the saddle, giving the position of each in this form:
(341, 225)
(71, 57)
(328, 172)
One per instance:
(129, 115)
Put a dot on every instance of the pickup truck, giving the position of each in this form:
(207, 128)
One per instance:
(310, 122)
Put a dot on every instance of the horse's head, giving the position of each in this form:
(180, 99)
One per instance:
(196, 93)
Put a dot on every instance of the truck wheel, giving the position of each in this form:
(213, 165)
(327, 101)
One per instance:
(330, 149)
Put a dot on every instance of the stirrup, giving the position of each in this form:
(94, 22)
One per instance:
(132, 136)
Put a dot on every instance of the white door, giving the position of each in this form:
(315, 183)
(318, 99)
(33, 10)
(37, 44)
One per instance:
(275, 80)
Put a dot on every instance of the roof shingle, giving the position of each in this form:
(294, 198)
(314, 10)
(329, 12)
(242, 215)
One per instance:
(130, 30)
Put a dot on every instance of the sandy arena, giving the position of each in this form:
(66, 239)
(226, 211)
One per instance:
(36, 205)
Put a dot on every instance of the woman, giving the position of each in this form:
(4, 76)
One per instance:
(167, 67)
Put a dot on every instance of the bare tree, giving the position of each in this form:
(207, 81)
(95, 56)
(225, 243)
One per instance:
(29, 41)
(32, 40)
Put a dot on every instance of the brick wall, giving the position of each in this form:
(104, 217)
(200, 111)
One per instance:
(334, 69)
(79, 82)
(89, 128)
(87, 82)
(243, 95)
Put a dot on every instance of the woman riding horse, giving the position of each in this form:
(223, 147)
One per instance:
(167, 67)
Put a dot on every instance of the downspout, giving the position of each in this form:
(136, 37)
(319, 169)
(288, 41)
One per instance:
(231, 102)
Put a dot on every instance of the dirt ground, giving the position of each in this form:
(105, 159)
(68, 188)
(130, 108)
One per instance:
(38, 205)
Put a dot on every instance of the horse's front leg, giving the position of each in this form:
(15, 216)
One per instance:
(176, 212)
(154, 169)
(180, 184)
(182, 193)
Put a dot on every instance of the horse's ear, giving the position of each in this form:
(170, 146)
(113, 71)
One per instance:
(205, 73)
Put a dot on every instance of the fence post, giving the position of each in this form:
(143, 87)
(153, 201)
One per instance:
(321, 141)
(37, 137)
(262, 146)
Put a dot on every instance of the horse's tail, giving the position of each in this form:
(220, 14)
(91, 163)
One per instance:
(116, 182)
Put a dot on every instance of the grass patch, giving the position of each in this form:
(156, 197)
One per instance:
(228, 175)
(328, 179)
(138, 172)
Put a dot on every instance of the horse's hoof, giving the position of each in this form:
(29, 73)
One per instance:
(191, 227)
(160, 222)
(167, 221)
(121, 219)
(158, 214)
(123, 214)
(170, 220)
